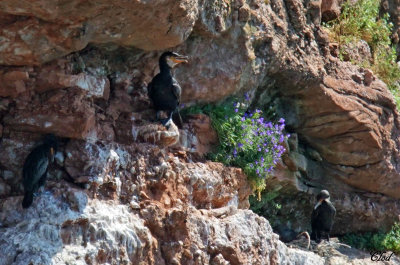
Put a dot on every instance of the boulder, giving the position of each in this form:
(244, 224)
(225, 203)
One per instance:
(36, 32)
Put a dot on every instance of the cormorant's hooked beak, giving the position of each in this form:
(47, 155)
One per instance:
(180, 59)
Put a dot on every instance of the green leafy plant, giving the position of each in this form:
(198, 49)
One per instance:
(360, 21)
(379, 241)
(392, 239)
(265, 200)
(246, 139)
(386, 68)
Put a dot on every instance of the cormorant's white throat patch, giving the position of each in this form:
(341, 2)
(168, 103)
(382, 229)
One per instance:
(320, 202)
(170, 62)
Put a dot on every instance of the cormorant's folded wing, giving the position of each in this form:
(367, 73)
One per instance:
(36, 166)
(176, 89)
(314, 215)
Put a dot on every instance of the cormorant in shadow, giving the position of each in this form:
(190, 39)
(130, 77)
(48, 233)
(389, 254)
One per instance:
(36, 166)
(164, 91)
(322, 217)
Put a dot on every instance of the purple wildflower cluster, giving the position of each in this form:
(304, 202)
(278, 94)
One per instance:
(259, 144)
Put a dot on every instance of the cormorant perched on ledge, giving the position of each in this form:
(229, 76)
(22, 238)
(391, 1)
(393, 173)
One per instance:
(36, 166)
(322, 217)
(164, 91)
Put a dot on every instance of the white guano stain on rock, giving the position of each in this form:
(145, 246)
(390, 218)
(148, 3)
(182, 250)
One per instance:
(35, 235)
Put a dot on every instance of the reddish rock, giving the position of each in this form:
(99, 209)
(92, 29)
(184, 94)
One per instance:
(76, 160)
(199, 136)
(330, 9)
(85, 159)
(368, 77)
(12, 83)
(56, 75)
(208, 191)
(357, 78)
(15, 75)
(244, 13)
(334, 49)
(314, 12)
(65, 113)
(39, 32)
(357, 52)
(345, 128)
(97, 87)
(104, 131)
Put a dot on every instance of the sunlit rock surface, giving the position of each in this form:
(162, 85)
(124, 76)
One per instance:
(144, 205)
(35, 32)
(144, 194)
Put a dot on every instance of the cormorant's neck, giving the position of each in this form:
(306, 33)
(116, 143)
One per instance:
(165, 68)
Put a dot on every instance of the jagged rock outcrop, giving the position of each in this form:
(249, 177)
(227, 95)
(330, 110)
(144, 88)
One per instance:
(145, 205)
(330, 9)
(36, 32)
(343, 121)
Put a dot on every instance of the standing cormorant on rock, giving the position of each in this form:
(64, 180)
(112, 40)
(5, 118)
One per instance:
(164, 91)
(322, 217)
(36, 166)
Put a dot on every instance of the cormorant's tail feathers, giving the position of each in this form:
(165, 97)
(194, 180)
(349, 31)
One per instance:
(28, 199)
(177, 119)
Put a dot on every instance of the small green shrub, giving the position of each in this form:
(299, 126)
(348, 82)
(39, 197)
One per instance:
(386, 68)
(366, 241)
(266, 199)
(376, 241)
(392, 239)
(246, 139)
(360, 21)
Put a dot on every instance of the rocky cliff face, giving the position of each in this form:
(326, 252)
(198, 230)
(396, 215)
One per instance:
(145, 205)
(145, 202)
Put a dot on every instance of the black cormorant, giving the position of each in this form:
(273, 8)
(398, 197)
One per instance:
(164, 91)
(322, 217)
(36, 166)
